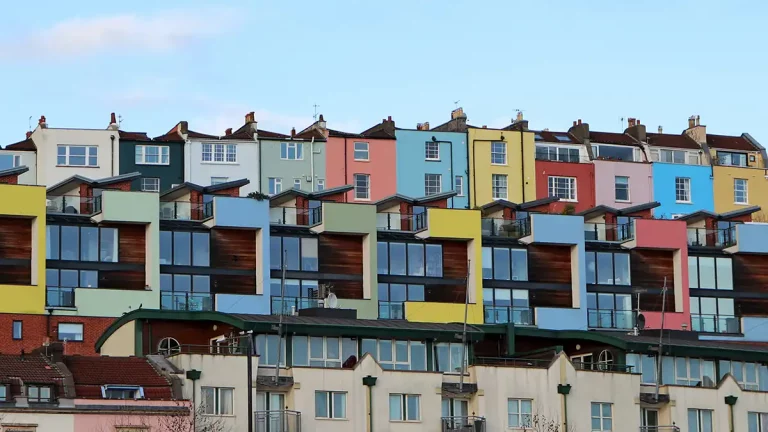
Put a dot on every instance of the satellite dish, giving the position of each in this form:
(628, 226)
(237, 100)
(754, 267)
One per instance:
(640, 322)
(331, 301)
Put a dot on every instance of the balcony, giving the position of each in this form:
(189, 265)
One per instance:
(560, 157)
(60, 297)
(186, 301)
(711, 323)
(512, 362)
(672, 428)
(611, 319)
(230, 348)
(463, 424)
(391, 310)
(295, 216)
(712, 238)
(515, 229)
(186, 211)
(289, 305)
(73, 204)
(603, 232)
(277, 421)
(509, 314)
(607, 366)
(401, 221)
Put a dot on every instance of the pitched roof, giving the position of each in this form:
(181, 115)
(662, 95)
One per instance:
(33, 368)
(309, 134)
(170, 136)
(25, 145)
(19, 170)
(704, 214)
(384, 130)
(682, 141)
(555, 137)
(601, 209)
(340, 134)
(247, 128)
(77, 179)
(514, 206)
(174, 192)
(386, 201)
(91, 373)
(287, 195)
(612, 138)
(730, 142)
(133, 136)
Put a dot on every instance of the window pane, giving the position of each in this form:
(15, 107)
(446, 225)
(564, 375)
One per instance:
(309, 260)
(412, 407)
(382, 258)
(519, 264)
(724, 274)
(693, 272)
(201, 284)
(621, 269)
(434, 260)
(415, 292)
(339, 405)
(385, 351)
(397, 258)
(321, 404)
(605, 268)
(395, 407)
(332, 348)
(706, 272)
(89, 279)
(275, 254)
(166, 247)
(201, 253)
(300, 352)
(181, 248)
(52, 242)
(89, 244)
(69, 278)
(487, 263)
(398, 292)
(418, 356)
(501, 264)
(415, 259)
(291, 251)
(591, 268)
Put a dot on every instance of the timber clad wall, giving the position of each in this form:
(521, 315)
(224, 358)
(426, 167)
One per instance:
(342, 254)
(16, 244)
(233, 250)
(750, 276)
(197, 333)
(648, 270)
(550, 264)
(131, 250)
(454, 267)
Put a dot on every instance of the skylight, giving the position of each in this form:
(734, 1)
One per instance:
(563, 138)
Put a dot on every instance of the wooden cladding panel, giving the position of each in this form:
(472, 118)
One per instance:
(233, 284)
(233, 249)
(650, 267)
(15, 238)
(653, 302)
(346, 289)
(547, 263)
(131, 243)
(751, 307)
(445, 293)
(750, 273)
(121, 279)
(340, 254)
(197, 333)
(455, 260)
(550, 298)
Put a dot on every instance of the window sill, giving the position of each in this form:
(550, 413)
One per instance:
(683, 202)
(152, 164)
(741, 204)
(219, 415)
(362, 160)
(61, 308)
(77, 166)
(293, 160)
(219, 163)
(431, 160)
(363, 199)
(624, 201)
(568, 200)
(499, 164)
(331, 419)
(405, 421)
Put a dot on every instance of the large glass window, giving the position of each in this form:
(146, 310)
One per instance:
(615, 153)
(644, 365)
(397, 354)
(392, 298)
(693, 372)
(404, 407)
(299, 294)
(73, 155)
(504, 305)
(412, 259)
(710, 272)
(318, 351)
(185, 248)
(714, 315)
(267, 349)
(81, 243)
(608, 310)
(185, 292)
(503, 263)
(448, 357)
(757, 422)
(299, 253)
(750, 376)
(700, 420)
(330, 405)
(731, 158)
(71, 332)
(608, 268)
(152, 155)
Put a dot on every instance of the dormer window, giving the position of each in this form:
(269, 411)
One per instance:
(122, 392)
(38, 394)
(3, 393)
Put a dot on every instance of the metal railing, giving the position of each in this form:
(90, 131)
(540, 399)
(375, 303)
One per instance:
(186, 301)
(712, 323)
(561, 157)
(602, 367)
(512, 362)
(60, 297)
(610, 318)
(288, 305)
(391, 310)
(608, 232)
(401, 221)
(232, 349)
(73, 204)
(463, 424)
(714, 238)
(511, 228)
(185, 210)
(671, 428)
(508, 314)
(295, 216)
(277, 421)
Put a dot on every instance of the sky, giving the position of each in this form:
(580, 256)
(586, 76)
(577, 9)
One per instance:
(156, 63)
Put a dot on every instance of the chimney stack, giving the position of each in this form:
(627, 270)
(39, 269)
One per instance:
(630, 122)
(293, 132)
(458, 113)
(691, 122)
(579, 121)
(29, 134)
(321, 124)
(228, 132)
(661, 129)
(636, 129)
(42, 122)
(485, 126)
(112, 122)
(422, 126)
(250, 117)
(519, 117)
(696, 130)
(580, 130)
(183, 128)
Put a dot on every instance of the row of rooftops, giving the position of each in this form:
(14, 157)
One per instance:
(579, 133)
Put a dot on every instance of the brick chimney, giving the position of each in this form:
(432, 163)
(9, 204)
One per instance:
(183, 128)
(29, 134)
(228, 132)
(112, 122)
(250, 117)
(321, 124)
(422, 126)
(42, 122)
(696, 130)
(293, 132)
(580, 130)
(458, 113)
(636, 130)
(519, 117)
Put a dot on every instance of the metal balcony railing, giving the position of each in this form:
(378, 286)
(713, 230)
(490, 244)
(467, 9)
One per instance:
(608, 232)
(288, 305)
(671, 428)
(277, 421)
(401, 221)
(60, 297)
(73, 204)
(185, 210)
(231, 349)
(711, 323)
(295, 216)
(602, 367)
(391, 310)
(186, 301)
(496, 227)
(463, 424)
(610, 318)
(511, 362)
(714, 238)
(508, 314)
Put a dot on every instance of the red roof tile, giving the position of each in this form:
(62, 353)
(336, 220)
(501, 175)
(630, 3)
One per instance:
(672, 141)
(33, 369)
(90, 373)
(612, 138)
(729, 142)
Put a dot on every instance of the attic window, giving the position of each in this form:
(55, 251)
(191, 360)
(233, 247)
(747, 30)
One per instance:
(122, 392)
(3, 393)
(38, 394)
(563, 138)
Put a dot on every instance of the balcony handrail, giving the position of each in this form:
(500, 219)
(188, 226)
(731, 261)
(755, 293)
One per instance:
(510, 228)
(544, 155)
(277, 421)
(60, 291)
(599, 231)
(512, 362)
(234, 350)
(602, 367)
(396, 221)
(614, 314)
(526, 314)
(296, 216)
(463, 424)
(292, 303)
(189, 299)
(73, 204)
(718, 238)
(666, 428)
(186, 210)
(718, 321)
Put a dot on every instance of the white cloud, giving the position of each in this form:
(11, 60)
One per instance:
(128, 33)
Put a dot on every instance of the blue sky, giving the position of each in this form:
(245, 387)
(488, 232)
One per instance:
(155, 63)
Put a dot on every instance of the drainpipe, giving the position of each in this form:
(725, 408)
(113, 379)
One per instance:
(370, 381)
(312, 164)
(112, 154)
(193, 375)
(522, 163)
(450, 170)
(345, 162)
(731, 401)
(474, 170)
(564, 389)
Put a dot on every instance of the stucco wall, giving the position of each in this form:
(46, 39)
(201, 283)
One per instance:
(273, 166)
(170, 174)
(47, 140)
(96, 422)
(757, 188)
(247, 165)
(412, 165)
(342, 166)
(664, 175)
(585, 182)
(520, 166)
(45, 422)
(28, 159)
(640, 182)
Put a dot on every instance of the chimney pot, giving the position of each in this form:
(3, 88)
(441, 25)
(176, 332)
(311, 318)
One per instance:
(698, 120)
(293, 132)
(579, 121)
(485, 127)
(228, 131)
(426, 125)
(457, 113)
(660, 129)
(250, 117)
(112, 119)
(389, 118)
(321, 118)
(519, 116)
(42, 120)
(574, 122)
(630, 122)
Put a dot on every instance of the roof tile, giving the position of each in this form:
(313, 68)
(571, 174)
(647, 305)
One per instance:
(729, 142)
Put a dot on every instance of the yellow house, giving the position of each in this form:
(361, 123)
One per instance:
(22, 245)
(501, 164)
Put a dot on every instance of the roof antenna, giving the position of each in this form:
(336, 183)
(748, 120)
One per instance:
(29, 124)
(315, 106)
(119, 120)
(455, 103)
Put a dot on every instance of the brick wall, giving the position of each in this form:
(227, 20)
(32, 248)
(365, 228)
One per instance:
(35, 332)
(10, 179)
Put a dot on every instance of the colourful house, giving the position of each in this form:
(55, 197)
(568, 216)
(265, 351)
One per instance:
(561, 161)
(161, 163)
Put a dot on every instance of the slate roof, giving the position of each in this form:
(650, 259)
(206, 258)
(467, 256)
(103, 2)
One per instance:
(91, 373)
(730, 142)
(682, 141)
(26, 145)
(612, 138)
(551, 137)
(133, 136)
(601, 209)
(340, 134)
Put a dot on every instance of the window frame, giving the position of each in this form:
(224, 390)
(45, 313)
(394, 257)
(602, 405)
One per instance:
(512, 251)
(558, 152)
(324, 361)
(301, 255)
(191, 255)
(144, 183)
(101, 253)
(39, 390)
(737, 191)
(458, 185)
(163, 154)
(729, 155)
(365, 154)
(601, 417)
(20, 330)
(452, 367)
(410, 296)
(73, 324)
(596, 152)
(329, 397)
(683, 189)
(217, 398)
(616, 188)
(274, 185)
(357, 178)
(90, 152)
(219, 153)
(613, 267)
(699, 426)
(499, 153)
(287, 147)
(497, 187)
(408, 261)
(404, 411)
(715, 275)
(320, 185)
(393, 363)
(219, 180)
(553, 187)
(760, 421)
(432, 181)
(431, 151)
(521, 414)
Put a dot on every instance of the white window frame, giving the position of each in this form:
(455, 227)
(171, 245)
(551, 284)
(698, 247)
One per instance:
(432, 151)
(685, 183)
(404, 414)
(71, 325)
(497, 187)
(498, 152)
(616, 185)
(364, 151)
(394, 363)
(219, 180)
(216, 153)
(320, 185)
(90, 151)
(163, 155)
(429, 184)
(217, 397)
(601, 417)
(458, 185)
(274, 185)
(155, 183)
(298, 151)
(42, 393)
(559, 149)
(297, 183)
(453, 369)
(760, 421)
(324, 361)
(362, 188)
(523, 410)
(737, 191)
(138, 391)
(553, 187)
(699, 423)
(331, 414)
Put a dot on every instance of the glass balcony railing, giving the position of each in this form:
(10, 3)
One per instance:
(185, 210)
(186, 301)
(391, 310)
(608, 232)
(289, 305)
(60, 297)
(714, 238)
(73, 204)
(508, 314)
(401, 221)
(496, 227)
(277, 421)
(295, 216)
(610, 318)
(463, 424)
(710, 323)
